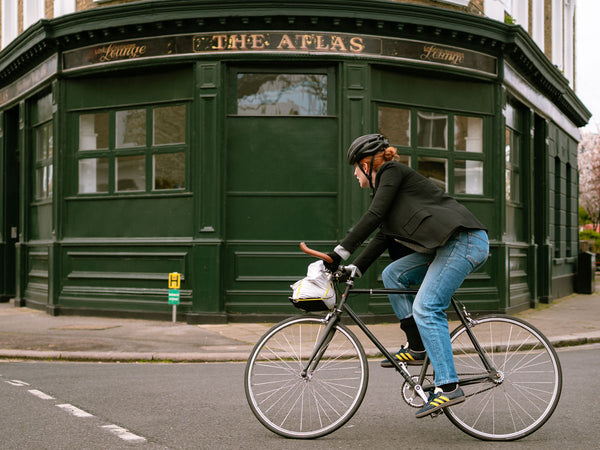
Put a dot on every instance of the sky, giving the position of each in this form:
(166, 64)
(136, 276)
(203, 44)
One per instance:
(587, 65)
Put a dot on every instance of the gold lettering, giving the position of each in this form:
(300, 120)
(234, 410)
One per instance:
(305, 40)
(431, 52)
(286, 42)
(357, 45)
(235, 39)
(257, 41)
(320, 45)
(120, 51)
(220, 38)
(338, 43)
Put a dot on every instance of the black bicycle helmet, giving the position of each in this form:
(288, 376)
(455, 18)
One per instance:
(366, 145)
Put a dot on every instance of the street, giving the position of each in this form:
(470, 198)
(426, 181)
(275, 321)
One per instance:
(54, 405)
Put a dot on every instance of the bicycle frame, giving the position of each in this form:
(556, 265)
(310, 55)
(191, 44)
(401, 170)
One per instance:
(334, 317)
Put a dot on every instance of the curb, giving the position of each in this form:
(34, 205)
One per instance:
(203, 357)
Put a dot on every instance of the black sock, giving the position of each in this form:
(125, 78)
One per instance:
(449, 387)
(409, 326)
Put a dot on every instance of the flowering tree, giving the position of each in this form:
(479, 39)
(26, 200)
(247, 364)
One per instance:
(589, 176)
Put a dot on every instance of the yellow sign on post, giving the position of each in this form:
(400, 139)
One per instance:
(174, 280)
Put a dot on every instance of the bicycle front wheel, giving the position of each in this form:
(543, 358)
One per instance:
(313, 405)
(526, 390)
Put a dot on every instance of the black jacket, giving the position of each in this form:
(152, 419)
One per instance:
(407, 208)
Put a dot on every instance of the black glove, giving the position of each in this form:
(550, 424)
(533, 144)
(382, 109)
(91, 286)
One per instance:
(333, 266)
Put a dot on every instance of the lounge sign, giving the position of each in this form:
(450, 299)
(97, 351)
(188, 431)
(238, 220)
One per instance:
(301, 43)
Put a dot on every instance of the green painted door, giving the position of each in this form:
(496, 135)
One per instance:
(281, 157)
(9, 202)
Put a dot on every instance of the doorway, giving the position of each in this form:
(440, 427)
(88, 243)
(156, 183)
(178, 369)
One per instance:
(282, 158)
(10, 200)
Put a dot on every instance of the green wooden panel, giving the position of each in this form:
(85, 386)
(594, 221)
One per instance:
(281, 189)
(129, 217)
(411, 89)
(108, 91)
(40, 225)
(123, 277)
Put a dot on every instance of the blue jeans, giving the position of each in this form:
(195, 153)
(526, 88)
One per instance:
(440, 275)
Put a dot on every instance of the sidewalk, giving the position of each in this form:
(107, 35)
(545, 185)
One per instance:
(30, 334)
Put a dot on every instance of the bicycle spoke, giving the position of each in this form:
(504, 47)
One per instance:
(521, 396)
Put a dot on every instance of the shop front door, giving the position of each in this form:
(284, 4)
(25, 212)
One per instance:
(9, 202)
(282, 158)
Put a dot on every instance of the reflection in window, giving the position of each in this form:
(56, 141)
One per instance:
(93, 175)
(130, 173)
(394, 123)
(44, 182)
(432, 130)
(169, 171)
(435, 169)
(169, 125)
(93, 131)
(130, 128)
(512, 176)
(281, 94)
(44, 141)
(44, 149)
(468, 134)
(468, 177)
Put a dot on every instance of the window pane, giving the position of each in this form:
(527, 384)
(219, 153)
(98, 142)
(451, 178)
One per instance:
(281, 94)
(44, 108)
(404, 159)
(435, 169)
(130, 173)
(394, 123)
(41, 182)
(169, 171)
(432, 130)
(468, 177)
(468, 134)
(169, 125)
(93, 131)
(93, 175)
(130, 128)
(41, 143)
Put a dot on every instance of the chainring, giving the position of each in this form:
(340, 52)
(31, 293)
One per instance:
(410, 396)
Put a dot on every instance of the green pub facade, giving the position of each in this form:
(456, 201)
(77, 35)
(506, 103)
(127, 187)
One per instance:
(209, 139)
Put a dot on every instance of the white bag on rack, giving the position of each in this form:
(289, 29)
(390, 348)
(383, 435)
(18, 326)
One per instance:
(315, 292)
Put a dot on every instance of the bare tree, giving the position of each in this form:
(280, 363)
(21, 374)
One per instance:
(589, 176)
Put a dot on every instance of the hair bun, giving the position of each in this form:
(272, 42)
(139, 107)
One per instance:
(389, 153)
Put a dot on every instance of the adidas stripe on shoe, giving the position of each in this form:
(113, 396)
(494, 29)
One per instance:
(439, 399)
(408, 356)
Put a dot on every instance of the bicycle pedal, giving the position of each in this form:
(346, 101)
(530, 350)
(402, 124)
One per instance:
(434, 414)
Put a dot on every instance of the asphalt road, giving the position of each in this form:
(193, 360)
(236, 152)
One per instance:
(185, 406)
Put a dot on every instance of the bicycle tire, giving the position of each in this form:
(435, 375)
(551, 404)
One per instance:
(305, 408)
(528, 392)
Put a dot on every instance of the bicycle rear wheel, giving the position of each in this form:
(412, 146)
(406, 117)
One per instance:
(311, 406)
(527, 391)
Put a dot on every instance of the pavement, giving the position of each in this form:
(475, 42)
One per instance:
(31, 334)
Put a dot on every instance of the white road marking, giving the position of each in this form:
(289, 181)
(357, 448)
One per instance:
(40, 394)
(75, 411)
(123, 433)
(17, 383)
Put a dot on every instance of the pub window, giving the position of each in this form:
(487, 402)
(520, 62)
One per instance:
(43, 137)
(513, 172)
(281, 94)
(444, 147)
(134, 150)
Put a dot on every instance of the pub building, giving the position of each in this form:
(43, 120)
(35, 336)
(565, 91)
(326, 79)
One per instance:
(210, 139)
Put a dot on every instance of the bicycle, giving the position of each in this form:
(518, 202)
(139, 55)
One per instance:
(308, 375)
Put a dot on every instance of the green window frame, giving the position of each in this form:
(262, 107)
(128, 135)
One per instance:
(444, 146)
(140, 149)
(43, 148)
